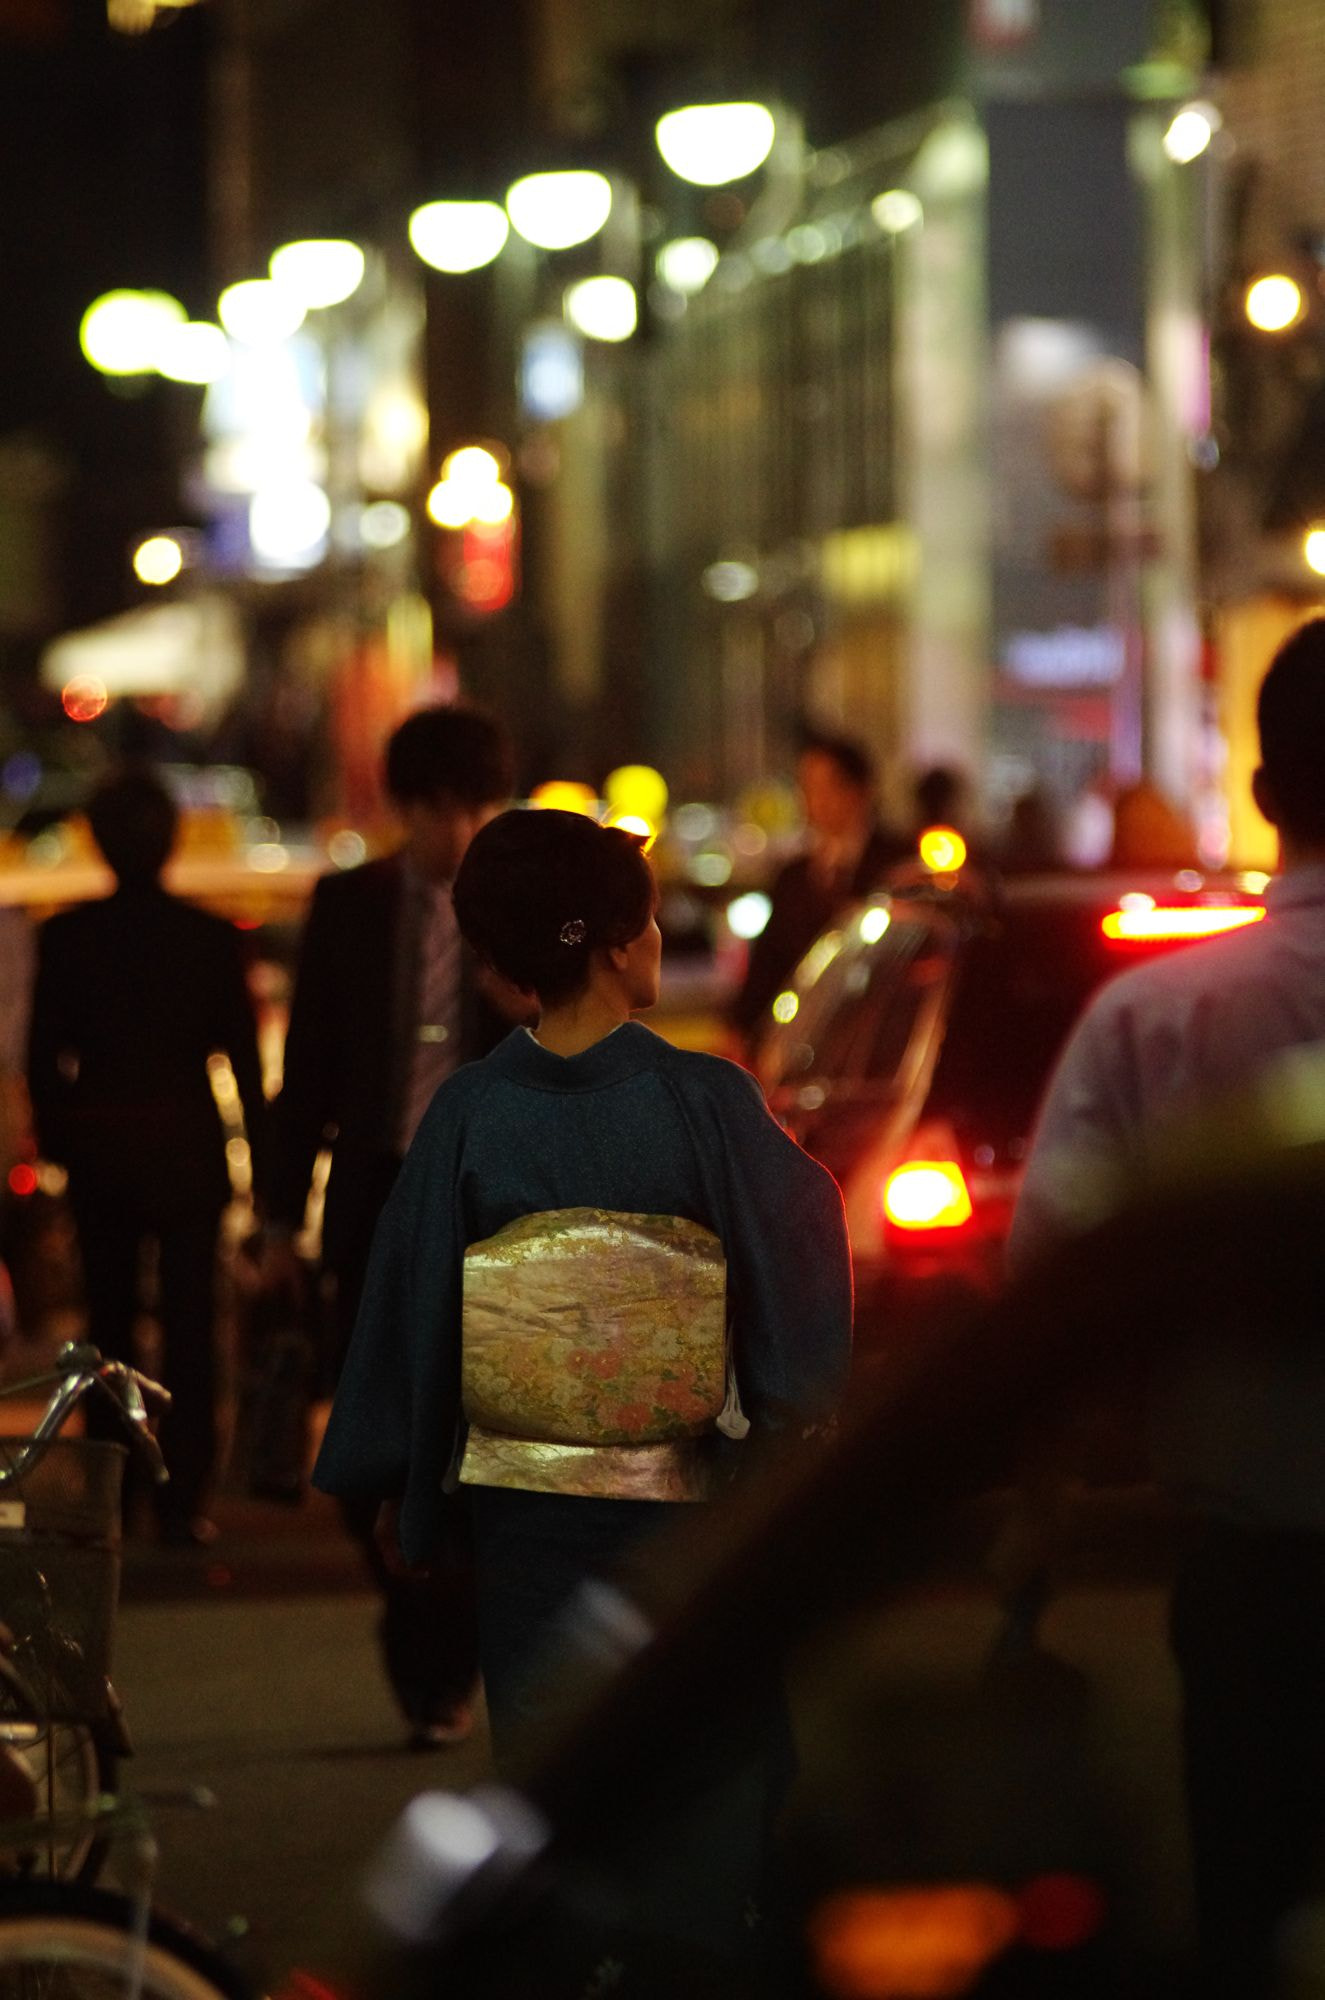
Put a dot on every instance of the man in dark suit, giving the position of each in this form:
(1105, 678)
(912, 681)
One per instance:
(133, 995)
(848, 855)
(387, 1002)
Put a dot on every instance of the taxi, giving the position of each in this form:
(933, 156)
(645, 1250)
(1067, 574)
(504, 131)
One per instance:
(911, 1048)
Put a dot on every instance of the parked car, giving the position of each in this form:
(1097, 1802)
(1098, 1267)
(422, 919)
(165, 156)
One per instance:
(911, 1049)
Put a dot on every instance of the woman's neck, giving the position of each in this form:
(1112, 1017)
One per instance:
(570, 1029)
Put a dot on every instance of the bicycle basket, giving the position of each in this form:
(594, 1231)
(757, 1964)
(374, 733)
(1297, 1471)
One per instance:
(60, 1570)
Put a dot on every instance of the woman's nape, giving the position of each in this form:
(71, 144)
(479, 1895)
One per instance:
(623, 980)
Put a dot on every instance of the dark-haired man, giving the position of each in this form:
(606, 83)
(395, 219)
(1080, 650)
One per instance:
(133, 994)
(848, 855)
(1239, 1418)
(387, 1002)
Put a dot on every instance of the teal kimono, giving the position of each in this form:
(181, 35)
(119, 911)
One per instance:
(632, 1126)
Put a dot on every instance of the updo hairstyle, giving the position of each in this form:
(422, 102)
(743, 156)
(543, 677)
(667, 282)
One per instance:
(539, 890)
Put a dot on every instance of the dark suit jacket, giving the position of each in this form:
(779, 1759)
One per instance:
(132, 995)
(803, 905)
(344, 1060)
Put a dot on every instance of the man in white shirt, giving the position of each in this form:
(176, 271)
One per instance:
(1238, 1424)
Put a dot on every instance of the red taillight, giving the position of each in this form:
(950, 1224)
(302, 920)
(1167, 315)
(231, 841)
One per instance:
(1155, 925)
(23, 1180)
(927, 1194)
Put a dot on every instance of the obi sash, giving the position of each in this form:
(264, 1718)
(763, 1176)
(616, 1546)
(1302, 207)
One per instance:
(594, 1355)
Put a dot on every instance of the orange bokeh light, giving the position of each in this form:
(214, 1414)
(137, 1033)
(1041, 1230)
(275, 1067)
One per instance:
(84, 698)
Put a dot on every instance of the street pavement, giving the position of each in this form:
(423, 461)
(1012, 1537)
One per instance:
(250, 1669)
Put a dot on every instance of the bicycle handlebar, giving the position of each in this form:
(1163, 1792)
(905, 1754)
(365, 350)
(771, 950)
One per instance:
(80, 1371)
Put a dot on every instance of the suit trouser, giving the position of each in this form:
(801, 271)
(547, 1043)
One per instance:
(429, 1625)
(111, 1236)
(1248, 1630)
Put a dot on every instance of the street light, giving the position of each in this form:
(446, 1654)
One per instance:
(1273, 303)
(711, 144)
(687, 263)
(457, 236)
(319, 271)
(257, 311)
(896, 210)
(1190, 132)
(557, 211)
(193, 351)
(121, 332)
(1313, 548)
(158, 560)
(602, 308)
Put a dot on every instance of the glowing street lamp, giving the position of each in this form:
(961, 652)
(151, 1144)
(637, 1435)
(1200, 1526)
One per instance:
(256, 311)
(458, 236)
(122, 332)
(686, 264)
(318, 272)
(557, 211)
(711, 144)
(471, 490)
(1190, 132)
(158, 560)
(602, 308)
(896, 210)
(1273, 303)
(193, 351)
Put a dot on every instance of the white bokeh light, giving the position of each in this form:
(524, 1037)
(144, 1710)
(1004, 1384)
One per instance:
(710, 144)
(459, 236)
(557, 211)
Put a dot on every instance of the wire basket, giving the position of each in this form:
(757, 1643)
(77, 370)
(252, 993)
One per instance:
(60, 1570)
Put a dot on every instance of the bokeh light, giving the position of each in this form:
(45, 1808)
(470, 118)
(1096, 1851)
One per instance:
(1273, 303)
(121, 333)
(710, 144)
(84, 698)
(897, 209)
(565, 795)
(158, 560)
(256, 311)
(602, 308)
(557, 211)
(459, 236)
(319, 271)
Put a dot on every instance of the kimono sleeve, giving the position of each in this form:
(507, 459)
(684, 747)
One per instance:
(396, 1412)
(788, 1260)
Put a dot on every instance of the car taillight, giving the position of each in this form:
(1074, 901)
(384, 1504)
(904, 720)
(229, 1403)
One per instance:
(927, 1194)
(1155, 924)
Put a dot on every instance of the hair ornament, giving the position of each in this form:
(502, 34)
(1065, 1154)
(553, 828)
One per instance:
(575, 932)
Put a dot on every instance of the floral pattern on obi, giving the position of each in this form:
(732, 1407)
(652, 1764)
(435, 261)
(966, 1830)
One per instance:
(587, 1327)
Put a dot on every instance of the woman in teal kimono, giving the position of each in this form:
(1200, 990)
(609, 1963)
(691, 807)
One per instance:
(602, 1263)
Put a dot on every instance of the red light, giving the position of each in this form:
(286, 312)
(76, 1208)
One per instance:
(1156, 924)
(22, 1180)
(84, 698)
(485, 578)
(927, 1194)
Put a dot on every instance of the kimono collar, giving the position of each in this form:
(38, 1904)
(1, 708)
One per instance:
(627, 1051)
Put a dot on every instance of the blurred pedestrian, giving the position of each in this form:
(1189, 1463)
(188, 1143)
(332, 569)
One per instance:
(1238, 1418)
(848, 854)
(580, 1219)
(388, 1001)
(1149, 831)
(1032, 843)
(133, 994)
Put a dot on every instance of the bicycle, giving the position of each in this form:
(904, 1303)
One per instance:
(60, 1719)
